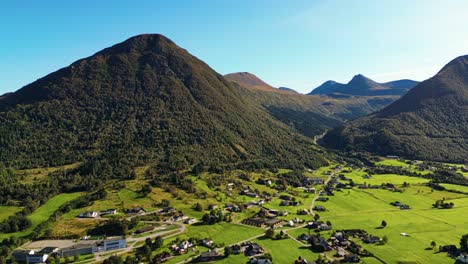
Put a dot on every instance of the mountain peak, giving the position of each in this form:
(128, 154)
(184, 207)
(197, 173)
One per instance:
(248, 79)
(148, 42)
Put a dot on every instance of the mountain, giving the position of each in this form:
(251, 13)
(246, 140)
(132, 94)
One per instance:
(246, 77)
(429, 122)
(287, 89)
(311, 115)
(360, 85)
(142, 100)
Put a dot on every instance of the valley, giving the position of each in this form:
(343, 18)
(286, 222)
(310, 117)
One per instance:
(342, 196)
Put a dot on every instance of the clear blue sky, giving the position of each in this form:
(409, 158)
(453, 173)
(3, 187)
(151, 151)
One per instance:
(298, 44)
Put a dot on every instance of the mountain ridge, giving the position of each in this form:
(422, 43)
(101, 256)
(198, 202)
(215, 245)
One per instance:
(429, 122)
(360, 85)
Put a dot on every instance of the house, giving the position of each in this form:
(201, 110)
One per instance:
(190, 221)
(404, 207)
(162, 257)
(233, 208)
(213, 206)
(260, 261)
(371, 240)
(301, 260)
(323, 227)
(322, 199)
(237, 249)
(89, 215)
(135, 210)
(253, 249)
(304, 237)
(302, 212)
(258, 222)
(275, 223)
(351, 258)
(29, 256)
(167, 210)
(182, 247)
(285, 203)
(109, 212)
(319, 208)
(285, 197)
(207, 242)
(179, 217)
(290, 223)
(208, 256)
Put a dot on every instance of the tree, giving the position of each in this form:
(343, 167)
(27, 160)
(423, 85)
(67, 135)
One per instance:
(158, 242)
(464, 243)
(146, 250)
(148, 242)
(270, 232)
(197, 169)
(146, 189)
(76, 258)
(384, 239)
(316, 217)
(329, 223)
(384, 223)
(198, 207)
(433, 244)
(227, 251)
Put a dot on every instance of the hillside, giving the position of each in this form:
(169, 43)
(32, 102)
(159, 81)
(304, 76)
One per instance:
(311, 115)
(363, 86)
(287, 89)
(429, 122)
(144, 99)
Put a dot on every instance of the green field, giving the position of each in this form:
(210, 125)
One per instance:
(223, 232)
(6, 211)
(392, 162)
(44, 212)
(365, 209)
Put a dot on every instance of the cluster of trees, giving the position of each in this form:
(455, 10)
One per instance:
(216, 216)
(15, 223)
(292, 178)
(114, 227)
(7, 246)
(145, 251)
(441, 204)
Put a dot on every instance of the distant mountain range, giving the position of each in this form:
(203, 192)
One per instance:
(363, 86)
(143, 100)
(430, 122)
(311, 115)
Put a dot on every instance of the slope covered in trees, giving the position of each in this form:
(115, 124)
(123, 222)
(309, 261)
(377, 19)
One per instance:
(430, 122)
(145, 99)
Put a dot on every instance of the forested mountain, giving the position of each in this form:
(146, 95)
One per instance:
(363, 86)
(309, 114)
(430, 122)
(145, 99)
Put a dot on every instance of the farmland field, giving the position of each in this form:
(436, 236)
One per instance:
(365, 209)
(6, 211)
(44, 212)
